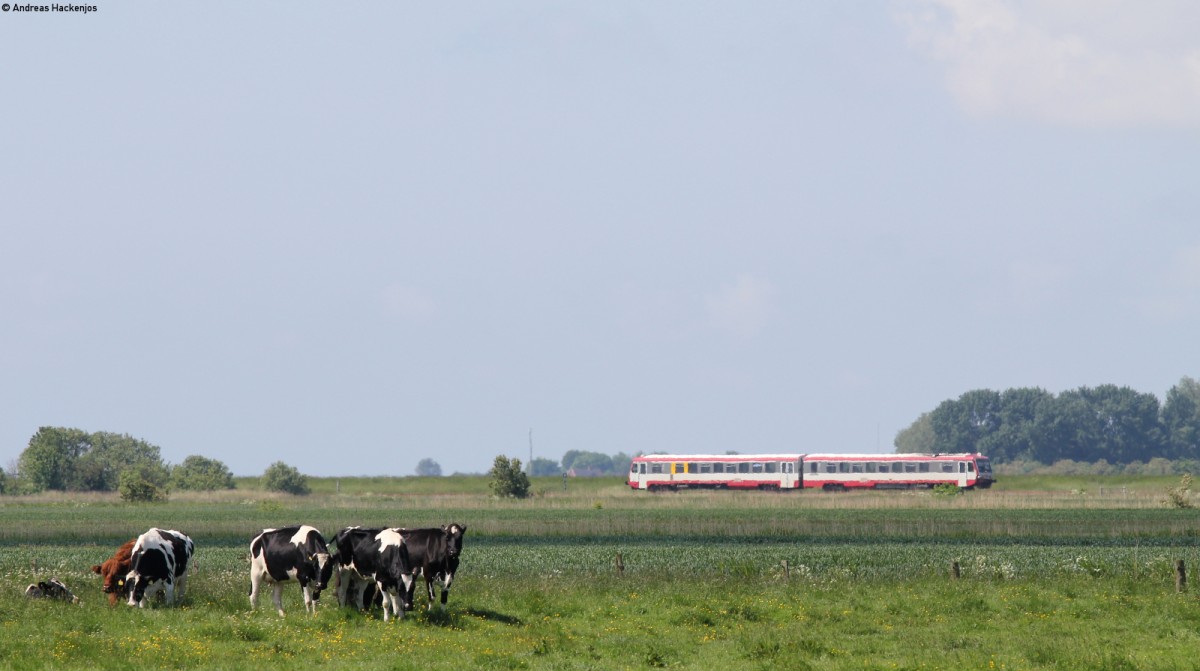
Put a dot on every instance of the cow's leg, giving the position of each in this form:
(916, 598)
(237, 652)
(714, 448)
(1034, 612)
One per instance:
(429, 589)
(408, 590)
(169, 591)
(446, 589)
(180, 586)
(277, 597)
(310, 606)
(255, 582)
(341, 586)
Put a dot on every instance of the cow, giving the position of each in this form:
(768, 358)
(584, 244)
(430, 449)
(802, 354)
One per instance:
(114, 569)
(292, 553)
(434, 554)
(378, 556)
(51, 589)
(159, 561)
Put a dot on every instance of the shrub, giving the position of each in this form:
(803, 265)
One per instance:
(201, 474)
(279, 477)
(137, 486)
(508, 480)
(1180, 496)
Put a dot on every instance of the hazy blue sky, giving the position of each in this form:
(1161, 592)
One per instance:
(354, 235)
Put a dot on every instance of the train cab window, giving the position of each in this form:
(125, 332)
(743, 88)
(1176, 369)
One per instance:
(641, 468)
(970, 467)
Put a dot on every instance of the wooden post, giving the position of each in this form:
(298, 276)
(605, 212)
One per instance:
(787, 571)
(955, 572)
(1180, 576)
(619, 562)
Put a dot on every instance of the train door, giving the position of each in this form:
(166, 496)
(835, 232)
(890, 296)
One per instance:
(963, 474)
(637, 475)
(789, 476)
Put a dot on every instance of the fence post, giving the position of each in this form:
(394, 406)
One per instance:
(787, 571)
(955, 572)
(619, 562)
(1180, 576)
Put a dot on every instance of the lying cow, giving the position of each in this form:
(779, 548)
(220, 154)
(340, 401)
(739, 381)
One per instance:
(114, 569)
(374, 556)
(292, 553)
(159, 562)
(434, 554)
(51, 589)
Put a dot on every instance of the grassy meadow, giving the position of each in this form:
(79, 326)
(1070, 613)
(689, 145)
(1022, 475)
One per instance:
(1071, 575)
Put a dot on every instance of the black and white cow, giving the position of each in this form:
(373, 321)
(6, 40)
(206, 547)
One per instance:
(159, 561)
(292, 553)
(51, 589)
(377, 556)
(434, 554)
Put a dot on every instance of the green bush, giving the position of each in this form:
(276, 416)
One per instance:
(279, 477)
(198, 473)
(137, 486)
(508, 480)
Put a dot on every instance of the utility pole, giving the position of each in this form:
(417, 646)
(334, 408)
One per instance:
(529, 466)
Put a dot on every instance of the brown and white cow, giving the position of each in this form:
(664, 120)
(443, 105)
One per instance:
(114, 569)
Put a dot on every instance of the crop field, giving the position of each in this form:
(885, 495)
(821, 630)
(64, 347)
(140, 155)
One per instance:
(605, 578)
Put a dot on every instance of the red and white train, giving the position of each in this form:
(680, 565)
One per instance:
(809, 471)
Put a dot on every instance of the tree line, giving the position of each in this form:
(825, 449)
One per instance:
(1107, 423)
(66, 459)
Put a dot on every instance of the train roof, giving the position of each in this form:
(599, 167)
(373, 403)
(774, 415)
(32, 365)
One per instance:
(890, 457)
(718, 457)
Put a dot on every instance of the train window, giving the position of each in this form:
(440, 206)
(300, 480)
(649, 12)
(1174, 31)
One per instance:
(872, 467)
(744, 467)
(856, 468)
(843, 467)
(923, 468)
(691, 468)
(731, 468)
(788, 467)
(970, 467)
(947, 468)
(705, 468)
(883, 468)
(830, 467)
(771, 466)
(641, 468)
(813, 467)
(656, 468)
(756, 467)
(679, 468)
(910, 468)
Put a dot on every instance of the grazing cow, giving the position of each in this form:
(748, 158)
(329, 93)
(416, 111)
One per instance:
(51, 589)
(293, 553)
(434, 554)
(377, 556)
(114, 569)
(159, 561)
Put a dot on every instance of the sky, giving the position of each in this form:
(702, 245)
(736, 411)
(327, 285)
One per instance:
(351, 236)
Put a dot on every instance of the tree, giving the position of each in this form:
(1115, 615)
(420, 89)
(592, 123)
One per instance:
(198, 473)
(591, 461)
(1180, 419)
(49, 460)
(960, 425)
(279, 477)
(542, 466)
(918, 438)
(508, 480)
(429, 467)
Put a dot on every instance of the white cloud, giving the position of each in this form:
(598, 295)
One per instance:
(1073, 62)
(742, 308)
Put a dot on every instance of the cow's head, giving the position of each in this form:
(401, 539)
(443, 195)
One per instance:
(113, 571)
(323, 566)
(454, 539)
(51, 589)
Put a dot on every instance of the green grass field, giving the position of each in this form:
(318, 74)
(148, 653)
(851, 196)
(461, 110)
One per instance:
(1049, 579)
